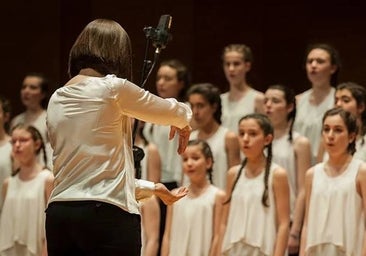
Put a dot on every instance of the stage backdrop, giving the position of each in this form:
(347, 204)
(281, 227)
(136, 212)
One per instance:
(37, 36)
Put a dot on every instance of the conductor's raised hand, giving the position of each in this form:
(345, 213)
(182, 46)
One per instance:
(184, 134)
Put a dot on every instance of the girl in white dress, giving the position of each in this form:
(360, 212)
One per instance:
(352, 97)
(206, 107)
(193, 223)
(5, 145)
(241, 99)
(336, 193)
(291, 151)
(257, 213)
(172, 81)
(150, 223)
(150, 169)
(34, 96)
(322, 67)
(26, 193)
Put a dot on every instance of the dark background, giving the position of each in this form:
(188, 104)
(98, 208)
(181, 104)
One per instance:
(37, 36)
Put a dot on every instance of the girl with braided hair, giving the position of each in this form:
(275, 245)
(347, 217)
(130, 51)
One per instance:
(292, 151)
(25, 196)
(205, 102)
(257, 213)
(193, 223)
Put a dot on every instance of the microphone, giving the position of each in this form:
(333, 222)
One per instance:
(160, 35)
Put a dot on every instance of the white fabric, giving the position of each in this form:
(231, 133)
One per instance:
(243, 249)
(217, 145)
(90, 131)
(18, 250)
(171, 161)
(360, 149)
(327, 249)
(5, 166)
(145, 184)
(284, 155)
(233, 111)
(23, 217)
(309, 118)
(335, 212)
(192, 224)
(250, 223)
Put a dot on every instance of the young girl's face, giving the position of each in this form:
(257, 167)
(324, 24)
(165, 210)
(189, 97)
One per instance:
(319, 67)
(167, 83)
(235, 68)
(195, 164)
(252, 138)
(336, 137)
(276, 106)
(345, 100)
(24, 147)
(203, 111)
(31, 91)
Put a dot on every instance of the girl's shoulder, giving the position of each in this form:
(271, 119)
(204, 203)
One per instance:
(310, 172)
(47, 175)
(362, 171)
(220, 195)
(229, 135)
(232, 174)
(301, 140)
(234, 170)
(279, 172)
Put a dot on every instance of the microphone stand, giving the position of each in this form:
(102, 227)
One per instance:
(159, 36)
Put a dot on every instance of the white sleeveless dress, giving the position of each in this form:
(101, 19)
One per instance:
(5, 166)
(335, 221)
(233, 111)
(360, 149)
(192, 224)
(171, 161)
(251, 227)
(284, 155)
(22, 222)
(217, 145)
(309, 117)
